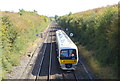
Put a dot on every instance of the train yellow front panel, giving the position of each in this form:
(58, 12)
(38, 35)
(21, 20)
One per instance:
(68, 61)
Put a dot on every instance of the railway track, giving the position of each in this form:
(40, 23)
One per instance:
(69, 75)
(45, 64)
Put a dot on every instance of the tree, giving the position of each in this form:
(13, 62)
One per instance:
(70, 14)
(35, 11)
(56, 17)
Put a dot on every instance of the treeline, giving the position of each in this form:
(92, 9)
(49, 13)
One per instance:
(96, 29)
(17, 31)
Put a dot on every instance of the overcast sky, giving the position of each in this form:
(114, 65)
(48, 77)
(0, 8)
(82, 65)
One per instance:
(54, 7)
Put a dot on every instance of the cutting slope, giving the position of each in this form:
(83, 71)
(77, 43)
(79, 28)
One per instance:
(17, 31)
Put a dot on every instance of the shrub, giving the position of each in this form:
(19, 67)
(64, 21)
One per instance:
(96, 29)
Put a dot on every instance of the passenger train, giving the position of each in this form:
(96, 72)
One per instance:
(67, 51)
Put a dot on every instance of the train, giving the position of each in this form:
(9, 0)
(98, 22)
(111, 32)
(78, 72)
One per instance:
(67, 51)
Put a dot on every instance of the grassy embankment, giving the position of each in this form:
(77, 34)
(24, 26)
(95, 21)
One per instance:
(96, 33)
(17, 32)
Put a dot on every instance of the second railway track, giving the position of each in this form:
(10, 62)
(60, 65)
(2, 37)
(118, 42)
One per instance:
(48, 68)
(45, 64)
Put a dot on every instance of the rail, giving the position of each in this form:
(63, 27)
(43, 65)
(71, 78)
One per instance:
(43, 58)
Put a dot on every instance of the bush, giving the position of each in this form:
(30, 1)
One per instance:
(96, 29)
(18, 30)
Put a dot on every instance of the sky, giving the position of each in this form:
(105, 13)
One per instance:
(54, 7)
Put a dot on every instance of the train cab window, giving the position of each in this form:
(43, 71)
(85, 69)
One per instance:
(68, 54)
(72, 53)
(64, 53)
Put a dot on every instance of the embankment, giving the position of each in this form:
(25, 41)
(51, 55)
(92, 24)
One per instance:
(17, 32)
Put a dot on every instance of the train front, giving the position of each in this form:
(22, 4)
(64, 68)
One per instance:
(68, 59)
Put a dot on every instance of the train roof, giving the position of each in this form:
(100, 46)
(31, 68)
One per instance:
(64, 41)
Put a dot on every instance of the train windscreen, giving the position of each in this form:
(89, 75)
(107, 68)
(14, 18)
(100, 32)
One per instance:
(68, 54)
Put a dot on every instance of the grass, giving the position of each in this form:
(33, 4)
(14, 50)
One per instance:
(18, 32)
(101, 72)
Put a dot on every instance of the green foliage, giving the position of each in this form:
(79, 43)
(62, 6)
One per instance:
(22, 12)
(97, 30)
(6, 64)
(7, 38)
(56, 17)
(70, 14)
(16, 33)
